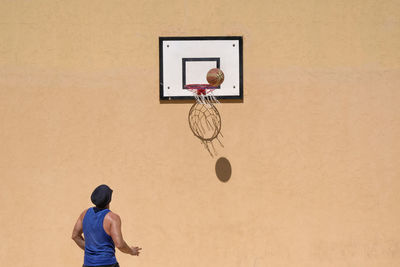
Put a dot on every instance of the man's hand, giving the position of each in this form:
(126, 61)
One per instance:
(135, 251)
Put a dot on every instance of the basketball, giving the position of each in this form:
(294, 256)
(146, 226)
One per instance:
(215, 77)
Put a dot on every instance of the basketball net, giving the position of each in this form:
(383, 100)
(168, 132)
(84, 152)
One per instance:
(204, 118)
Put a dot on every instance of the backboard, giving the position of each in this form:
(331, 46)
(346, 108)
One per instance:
(186, 60)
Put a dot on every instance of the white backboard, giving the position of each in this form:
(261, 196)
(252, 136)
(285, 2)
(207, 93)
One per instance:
(186, 60)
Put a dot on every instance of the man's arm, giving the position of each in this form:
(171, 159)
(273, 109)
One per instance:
(116, 235)
(78, 230)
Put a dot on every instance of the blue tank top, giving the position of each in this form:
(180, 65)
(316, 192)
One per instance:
(99, 246)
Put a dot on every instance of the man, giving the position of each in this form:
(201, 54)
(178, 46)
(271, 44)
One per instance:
(102, 232)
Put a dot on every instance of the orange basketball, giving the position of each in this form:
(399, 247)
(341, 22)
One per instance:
(215, 77)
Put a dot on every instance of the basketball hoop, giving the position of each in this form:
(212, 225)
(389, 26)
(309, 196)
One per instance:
(203, 93)
(204, 119)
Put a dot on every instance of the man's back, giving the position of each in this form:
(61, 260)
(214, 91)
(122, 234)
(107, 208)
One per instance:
(99, 246)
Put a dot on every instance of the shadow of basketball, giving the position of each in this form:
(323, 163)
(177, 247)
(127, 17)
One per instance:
(223, 169)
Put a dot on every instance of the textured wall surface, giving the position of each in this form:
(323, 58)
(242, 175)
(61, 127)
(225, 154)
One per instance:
(314, 147)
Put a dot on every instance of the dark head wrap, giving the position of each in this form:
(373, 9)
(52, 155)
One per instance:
(101, 196)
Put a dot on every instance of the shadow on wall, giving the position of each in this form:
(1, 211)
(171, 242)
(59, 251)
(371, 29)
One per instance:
(223, 169)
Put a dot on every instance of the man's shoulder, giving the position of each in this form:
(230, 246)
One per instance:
(83, 214)
(112, 216)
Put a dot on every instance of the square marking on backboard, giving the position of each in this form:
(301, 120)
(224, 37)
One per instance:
(186, 60)
(192, 66)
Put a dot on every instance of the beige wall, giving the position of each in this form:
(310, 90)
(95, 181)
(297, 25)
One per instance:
(314, 147)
